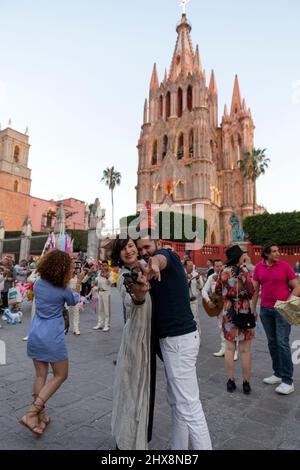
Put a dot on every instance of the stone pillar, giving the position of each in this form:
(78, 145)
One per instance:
(60, 224)
(95, 229)
(2, 234)
(25, 240)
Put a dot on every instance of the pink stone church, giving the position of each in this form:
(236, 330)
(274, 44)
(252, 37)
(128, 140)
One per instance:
(185, 157)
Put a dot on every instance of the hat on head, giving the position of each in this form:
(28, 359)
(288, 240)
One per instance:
(233, 254)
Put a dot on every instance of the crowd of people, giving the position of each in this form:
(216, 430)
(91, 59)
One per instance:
(160, 296)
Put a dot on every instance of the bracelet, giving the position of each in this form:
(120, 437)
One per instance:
(138, 302)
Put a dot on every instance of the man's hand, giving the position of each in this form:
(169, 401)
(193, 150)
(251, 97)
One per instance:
(80, 276)
(151, 271)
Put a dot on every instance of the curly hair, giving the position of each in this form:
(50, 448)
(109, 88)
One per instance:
(55, 267)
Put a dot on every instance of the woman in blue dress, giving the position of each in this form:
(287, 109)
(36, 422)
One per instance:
(46, 342)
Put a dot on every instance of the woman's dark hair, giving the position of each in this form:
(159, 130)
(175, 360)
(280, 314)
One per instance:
(266, 249)
(118, 246)
(55, 267)
(233, 262)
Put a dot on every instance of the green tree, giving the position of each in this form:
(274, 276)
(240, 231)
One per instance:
(253, 165)
(112, 179)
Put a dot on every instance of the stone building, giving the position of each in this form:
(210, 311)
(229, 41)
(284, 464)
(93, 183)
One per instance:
(185, 156)
(15, 178)
(16, 202)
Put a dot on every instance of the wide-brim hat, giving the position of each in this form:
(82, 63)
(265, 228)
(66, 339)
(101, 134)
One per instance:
(233, 254)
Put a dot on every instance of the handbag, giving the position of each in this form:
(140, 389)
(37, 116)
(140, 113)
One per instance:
(14, 296)
(243, 321)
(289, 310)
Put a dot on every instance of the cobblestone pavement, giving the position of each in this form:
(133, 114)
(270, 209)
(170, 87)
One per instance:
(81, 409)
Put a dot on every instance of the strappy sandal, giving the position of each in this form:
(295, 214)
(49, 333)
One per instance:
(35, 429)
(43, 418)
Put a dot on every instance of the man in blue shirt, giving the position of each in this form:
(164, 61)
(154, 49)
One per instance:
(179, 341)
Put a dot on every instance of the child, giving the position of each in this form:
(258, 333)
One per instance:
(94, 296)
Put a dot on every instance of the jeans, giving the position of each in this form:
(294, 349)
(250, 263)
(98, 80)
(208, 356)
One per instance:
(188, 420)
(278, 332)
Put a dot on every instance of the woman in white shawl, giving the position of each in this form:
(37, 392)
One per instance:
(131, 393)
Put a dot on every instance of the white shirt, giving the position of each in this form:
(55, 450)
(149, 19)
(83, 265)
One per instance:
(103, 283)
(209, 286)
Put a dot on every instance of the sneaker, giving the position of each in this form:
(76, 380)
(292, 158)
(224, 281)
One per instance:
(220, 353)
(285, 389)
(236, 355)
(231, 386)
(77, 333)
(272, 380)
(246, 387)
(106, 328)
(25, 338)
(98, 327)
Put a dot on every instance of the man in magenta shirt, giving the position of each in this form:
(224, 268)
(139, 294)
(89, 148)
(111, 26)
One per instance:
(278, 282)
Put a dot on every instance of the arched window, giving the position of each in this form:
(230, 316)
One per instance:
(16, 186)
(165, 146)
(16, 153)
(190, 98)
(239, 150)
(233, 156)
(191, 143)
(212, 150)
(168, 105)
(161, 104)
(154, 153)
(179, 102)
(180, 147)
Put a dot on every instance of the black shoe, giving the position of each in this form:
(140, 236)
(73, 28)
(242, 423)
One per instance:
(246, 387)
(114, 363)
(231, 386)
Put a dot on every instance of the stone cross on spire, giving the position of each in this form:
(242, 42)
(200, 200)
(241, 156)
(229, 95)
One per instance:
(183, 4)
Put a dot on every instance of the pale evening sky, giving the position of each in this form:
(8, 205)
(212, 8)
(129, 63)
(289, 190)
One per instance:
(77, 73)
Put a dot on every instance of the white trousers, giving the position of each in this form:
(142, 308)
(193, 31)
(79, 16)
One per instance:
(188, 420)
(223, 342)
(104, 309)
(195, 310)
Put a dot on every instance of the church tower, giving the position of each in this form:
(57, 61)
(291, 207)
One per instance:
(184, 155)
(15, 178)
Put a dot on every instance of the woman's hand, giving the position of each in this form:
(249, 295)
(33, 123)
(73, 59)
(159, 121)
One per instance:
(140, 290)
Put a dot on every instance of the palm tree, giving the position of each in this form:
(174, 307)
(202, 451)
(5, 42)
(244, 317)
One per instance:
(112, 179)
(253, 165)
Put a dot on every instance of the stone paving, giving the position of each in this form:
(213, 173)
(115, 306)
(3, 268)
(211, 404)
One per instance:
(81, 409)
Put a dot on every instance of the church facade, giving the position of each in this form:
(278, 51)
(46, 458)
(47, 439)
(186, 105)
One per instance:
(185, 157)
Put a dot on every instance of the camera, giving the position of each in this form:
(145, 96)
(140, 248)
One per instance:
(131, 277)
(236, 270)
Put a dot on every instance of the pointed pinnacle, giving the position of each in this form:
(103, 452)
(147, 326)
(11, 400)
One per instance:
(236, 103)
(212, 84)
(197, 66)
(154, 85)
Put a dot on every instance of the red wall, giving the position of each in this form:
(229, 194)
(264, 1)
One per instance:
(290, 254)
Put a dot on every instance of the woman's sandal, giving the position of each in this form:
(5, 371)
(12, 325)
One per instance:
(35, 429)
(43, 418)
